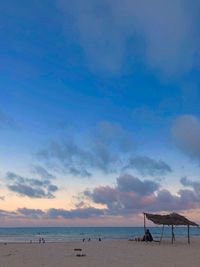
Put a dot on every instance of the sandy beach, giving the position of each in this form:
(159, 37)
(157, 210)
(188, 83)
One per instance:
(101, 254)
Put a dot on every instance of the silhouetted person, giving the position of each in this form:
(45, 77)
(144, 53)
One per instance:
(147, 236)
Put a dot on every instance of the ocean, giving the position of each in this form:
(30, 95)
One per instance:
(64, 234)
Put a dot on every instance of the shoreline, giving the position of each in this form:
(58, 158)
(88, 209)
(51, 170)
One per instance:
(168, 239)
(68, 234)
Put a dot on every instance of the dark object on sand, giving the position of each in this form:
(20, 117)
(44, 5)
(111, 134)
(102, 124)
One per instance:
(80, 255)
(147, 236)
(77, 249)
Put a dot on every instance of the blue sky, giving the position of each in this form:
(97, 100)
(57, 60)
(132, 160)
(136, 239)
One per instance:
(97, 97)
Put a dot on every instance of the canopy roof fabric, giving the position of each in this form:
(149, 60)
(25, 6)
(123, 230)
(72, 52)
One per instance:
(170, 219)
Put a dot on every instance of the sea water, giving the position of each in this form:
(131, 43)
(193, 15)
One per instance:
(64, 234)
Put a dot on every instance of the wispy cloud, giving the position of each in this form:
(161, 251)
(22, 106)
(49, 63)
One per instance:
(8, 214)
(76, 213)
(108, 148)
(148, 166)
(102, 150)
(31, 213)
(192, 184)
(6, 120)
(30, 187)
(25, 213)
(158, 115)
(42, 172)
(162, 34)
(186, 134)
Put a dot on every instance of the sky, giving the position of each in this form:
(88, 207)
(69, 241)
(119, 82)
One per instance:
(99, 111)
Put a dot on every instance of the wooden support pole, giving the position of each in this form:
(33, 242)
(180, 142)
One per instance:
(144, 223)
(188, 234)
(161, 234)
(172, 233)
(145, 226)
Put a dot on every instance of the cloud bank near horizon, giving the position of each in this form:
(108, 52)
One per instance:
(129, 197)
(132, 195)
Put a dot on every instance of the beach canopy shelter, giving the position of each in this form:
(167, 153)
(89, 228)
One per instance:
(171, 219)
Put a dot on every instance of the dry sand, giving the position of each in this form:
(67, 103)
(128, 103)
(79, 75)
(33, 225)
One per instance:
(101, 254)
